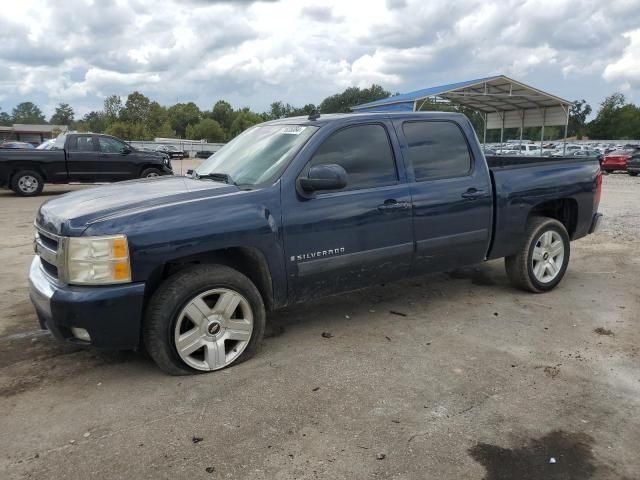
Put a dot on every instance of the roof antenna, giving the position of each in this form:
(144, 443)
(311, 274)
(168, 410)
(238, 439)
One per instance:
(314, 115)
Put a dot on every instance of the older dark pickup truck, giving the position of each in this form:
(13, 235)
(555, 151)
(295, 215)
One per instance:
(295, 209)
(78, 157)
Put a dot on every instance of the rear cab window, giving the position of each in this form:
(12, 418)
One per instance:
(82, 143)
(437, 150)
(364, 151)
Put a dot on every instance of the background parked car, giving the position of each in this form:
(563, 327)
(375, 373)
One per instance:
(616, 160)
(17, 145)
(171, 150)
(47, 144)
(633, 164)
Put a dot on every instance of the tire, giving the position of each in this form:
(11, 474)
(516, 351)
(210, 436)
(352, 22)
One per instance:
(27, 183)
(633, 174)
(520, 267)
(150, 173)
(169, 318)
(608, 170)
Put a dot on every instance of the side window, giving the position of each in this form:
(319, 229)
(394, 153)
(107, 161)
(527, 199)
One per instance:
(437, 150)
(83, 143)
(364, 152)
(110, 145)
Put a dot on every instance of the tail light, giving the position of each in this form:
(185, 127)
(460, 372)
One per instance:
(598, 194)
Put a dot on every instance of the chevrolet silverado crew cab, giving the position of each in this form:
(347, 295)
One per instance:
(290, 210)
(78, 157)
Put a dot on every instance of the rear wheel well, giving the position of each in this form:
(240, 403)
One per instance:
(565, 210)
(31, 168)
(249, 261)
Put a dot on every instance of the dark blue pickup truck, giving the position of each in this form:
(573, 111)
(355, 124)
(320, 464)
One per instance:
(291, 210)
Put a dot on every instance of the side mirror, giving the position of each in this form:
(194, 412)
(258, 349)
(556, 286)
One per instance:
(190, 172)
(126, 151)
(324, 177)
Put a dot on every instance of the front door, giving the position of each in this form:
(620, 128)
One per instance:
(359, 235)
(116, 160)
(451, 194)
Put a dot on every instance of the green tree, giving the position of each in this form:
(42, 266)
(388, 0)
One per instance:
(158, 116)
(128, 131)
(207, 129)
(63, 115)
(112, 108)
(5, 119)
(245, 118)
(578, 113)
(183, 114)
(165, 131)
(223, 114)
(603, 126)
(28, 112)
(342, 102)
(95, 122)
(136, 109)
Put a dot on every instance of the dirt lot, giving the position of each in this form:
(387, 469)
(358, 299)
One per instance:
(468, 379)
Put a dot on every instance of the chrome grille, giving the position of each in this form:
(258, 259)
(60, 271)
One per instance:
(47, 247)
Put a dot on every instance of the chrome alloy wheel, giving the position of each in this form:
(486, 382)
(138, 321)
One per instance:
(213, 329)
(28, 184)
(152, 175)
(548, 255)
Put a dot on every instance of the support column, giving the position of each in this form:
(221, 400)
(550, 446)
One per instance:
(544, 118)
(521, 126)
(566, 128)
(484, 134)
(502, 131)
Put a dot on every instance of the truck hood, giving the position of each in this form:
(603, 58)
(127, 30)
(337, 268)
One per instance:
(72, 213)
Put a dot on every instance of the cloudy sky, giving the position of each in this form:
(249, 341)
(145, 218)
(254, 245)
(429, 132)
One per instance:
(253, 53)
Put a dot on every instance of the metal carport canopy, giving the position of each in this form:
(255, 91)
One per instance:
(505, 103)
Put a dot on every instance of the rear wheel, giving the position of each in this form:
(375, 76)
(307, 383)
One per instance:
(202, 319)
(542, 262)
(150, 173)
(633, 174)
(27, 183)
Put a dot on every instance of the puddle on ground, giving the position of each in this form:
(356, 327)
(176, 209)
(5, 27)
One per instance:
(571, 452)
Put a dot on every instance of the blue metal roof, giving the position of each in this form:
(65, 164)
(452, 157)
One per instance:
(418, 94)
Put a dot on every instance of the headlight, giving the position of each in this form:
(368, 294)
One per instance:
(97, 260)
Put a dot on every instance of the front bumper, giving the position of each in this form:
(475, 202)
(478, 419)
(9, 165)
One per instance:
(112, 314)
(595, 222)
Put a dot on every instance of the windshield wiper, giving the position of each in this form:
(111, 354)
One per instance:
(223, 177)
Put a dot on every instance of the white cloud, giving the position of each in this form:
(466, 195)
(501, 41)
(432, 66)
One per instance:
(300, 51)
(626, 69)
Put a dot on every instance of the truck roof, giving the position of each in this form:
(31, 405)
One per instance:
(348, 117)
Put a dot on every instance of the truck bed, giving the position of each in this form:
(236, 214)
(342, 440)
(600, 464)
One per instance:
(520, 183)
(506, 161)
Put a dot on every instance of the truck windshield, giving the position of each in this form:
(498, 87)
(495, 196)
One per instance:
(258, 155)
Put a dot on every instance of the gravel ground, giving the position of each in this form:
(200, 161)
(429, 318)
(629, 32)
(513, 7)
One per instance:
(469, 378)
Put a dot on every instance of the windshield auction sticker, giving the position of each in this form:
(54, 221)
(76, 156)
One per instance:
(292, 130)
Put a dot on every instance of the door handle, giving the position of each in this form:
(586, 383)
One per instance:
(472, 194)
(392, 204)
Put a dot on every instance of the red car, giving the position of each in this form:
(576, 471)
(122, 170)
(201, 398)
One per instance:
(615, 161)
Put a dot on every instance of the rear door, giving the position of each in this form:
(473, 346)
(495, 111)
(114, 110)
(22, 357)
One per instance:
(451, 194)
(117, 161)
(82, 158)
(357, 236)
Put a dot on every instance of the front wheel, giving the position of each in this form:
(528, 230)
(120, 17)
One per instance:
(204, 318)
(633, 174)
(542, 262)
(150, 173)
